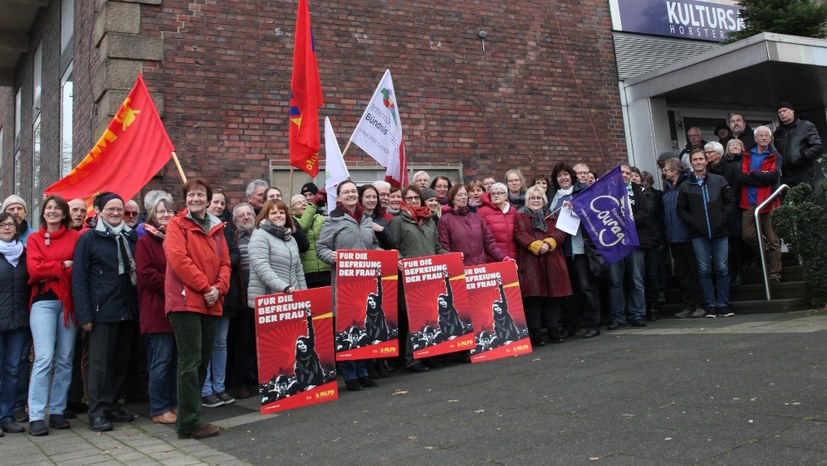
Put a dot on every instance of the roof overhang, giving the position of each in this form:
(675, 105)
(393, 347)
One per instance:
(16, 18)
(756, 72)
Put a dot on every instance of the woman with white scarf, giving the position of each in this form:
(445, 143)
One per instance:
(14, 316)
(106, 305)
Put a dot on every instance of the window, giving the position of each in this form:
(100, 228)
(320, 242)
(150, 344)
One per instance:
(67, 23)
(18, 114)
(36, 194)
(66, 113)
(38, 77)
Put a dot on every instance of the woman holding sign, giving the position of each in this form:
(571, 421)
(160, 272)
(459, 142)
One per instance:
(415, 234)
(544, 279)
(347, 227)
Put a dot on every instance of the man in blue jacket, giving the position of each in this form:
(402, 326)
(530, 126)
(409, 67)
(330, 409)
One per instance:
(705, 202)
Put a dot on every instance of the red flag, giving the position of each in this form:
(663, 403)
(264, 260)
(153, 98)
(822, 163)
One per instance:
(134, 147)
(305, 98)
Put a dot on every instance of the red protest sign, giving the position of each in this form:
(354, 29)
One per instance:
(294, 336)
(367, 324)
(500, 328)
(439, 316)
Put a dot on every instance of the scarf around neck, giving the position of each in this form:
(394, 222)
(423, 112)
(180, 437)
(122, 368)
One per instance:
(538, 218)
(281, 233)
(12, 251)
(419, 214)
(125, 264)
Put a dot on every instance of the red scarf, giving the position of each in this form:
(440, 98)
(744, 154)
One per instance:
(419, 214)
(356, 214)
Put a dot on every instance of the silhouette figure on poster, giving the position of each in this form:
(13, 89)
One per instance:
(376, 326)
(308, 366)
(449, 324)
(504, 327)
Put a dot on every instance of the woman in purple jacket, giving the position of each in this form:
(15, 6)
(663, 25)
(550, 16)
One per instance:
(461, 230)
(151, 265)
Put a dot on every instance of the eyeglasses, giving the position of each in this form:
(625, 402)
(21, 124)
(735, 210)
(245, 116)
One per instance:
(498, 193)
(6, 225)
(116, 210)
(412, 198)
(130, 213)
(536, 198)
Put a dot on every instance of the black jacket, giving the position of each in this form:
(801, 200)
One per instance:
(800, 146)
(14, 295)
(100, 293)
(747, 137)
(642, 205)
(706, 206)
(732, 174)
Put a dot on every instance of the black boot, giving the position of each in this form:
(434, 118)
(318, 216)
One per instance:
(536, 338)
(554, 335)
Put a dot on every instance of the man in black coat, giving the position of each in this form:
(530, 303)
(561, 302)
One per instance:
(800, 146)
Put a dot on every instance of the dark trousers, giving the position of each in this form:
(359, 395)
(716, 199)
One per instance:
(243, 342)
(686, 270)
(24, 370)
(541, 312)
(194, 336)
(109, 347)
(586, 297)
(79, 390)
(651, 282)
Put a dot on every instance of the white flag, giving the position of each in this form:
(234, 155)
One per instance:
(335, 170)
(379, 132)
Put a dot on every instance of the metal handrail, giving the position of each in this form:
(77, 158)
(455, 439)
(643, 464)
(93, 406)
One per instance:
(757, 214)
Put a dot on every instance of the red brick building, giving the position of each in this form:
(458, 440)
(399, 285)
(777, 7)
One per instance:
(541, 86)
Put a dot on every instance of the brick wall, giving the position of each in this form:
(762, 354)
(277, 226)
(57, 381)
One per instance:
(544, 89)
(227, 64)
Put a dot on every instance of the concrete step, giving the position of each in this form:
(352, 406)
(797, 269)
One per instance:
(757, 306)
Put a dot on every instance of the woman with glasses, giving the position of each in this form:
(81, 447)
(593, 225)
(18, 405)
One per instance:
(347, 227)
(499, 215)
(544, 279)
(103, 287)
(415, 233)
(14, 319)
(461, 230)
(515, 181)
(151, 263)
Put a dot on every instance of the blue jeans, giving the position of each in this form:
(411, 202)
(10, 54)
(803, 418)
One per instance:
(217, 369)
(11, 347)
(54, 350)
(630, 267)
(711, 254)
(353, 369)
(161, 358)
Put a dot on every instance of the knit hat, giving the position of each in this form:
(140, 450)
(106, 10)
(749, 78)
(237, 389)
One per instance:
(427, 193)
(785, 104)
(15, 199)
(666, 155)
(103, 198)
(309, 188)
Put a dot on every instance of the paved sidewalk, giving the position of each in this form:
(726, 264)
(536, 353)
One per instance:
(751, 389)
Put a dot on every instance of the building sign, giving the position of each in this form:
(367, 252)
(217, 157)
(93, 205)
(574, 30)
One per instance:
(687, 19)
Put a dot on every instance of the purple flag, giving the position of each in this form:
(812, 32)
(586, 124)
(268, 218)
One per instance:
(605, 213)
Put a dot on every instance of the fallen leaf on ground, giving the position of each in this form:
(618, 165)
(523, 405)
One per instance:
(399, 391)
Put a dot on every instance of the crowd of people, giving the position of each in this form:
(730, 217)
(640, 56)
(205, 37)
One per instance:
(101, 299)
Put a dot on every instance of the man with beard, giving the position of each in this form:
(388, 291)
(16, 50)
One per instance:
(739, 129)
(243, 326)
(504, 326)
(308, 366)
(376, 326)
(449, 324)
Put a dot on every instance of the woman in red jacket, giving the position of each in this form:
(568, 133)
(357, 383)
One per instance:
(544, 279)
(52, 319)
(197, 279)
(151, 265)
(499, 215)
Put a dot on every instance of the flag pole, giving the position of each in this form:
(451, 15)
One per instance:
(347, 147)
(178, 165)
